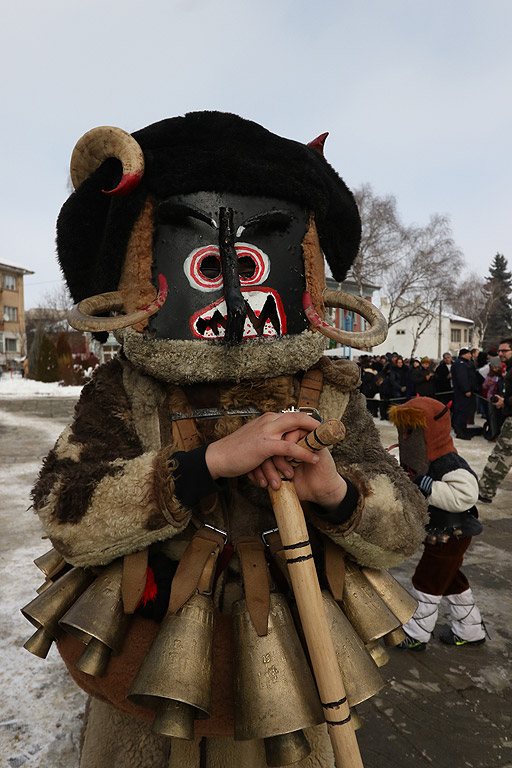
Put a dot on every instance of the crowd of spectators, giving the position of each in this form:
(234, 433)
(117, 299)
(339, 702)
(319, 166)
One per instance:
(470, 380)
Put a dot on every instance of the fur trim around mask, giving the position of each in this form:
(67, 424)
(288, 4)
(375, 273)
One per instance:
(190, 362)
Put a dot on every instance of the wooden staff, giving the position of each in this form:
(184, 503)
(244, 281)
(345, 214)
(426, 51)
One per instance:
(301, 567)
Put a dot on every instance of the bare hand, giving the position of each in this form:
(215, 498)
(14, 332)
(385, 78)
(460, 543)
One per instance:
(259, 440)
(500, 402)
(261, 450)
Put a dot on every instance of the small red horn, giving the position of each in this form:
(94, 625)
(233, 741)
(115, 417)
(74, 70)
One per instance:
(318, 143)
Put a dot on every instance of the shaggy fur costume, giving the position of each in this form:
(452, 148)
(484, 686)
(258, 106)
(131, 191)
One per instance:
(107, 489)
(97, 504)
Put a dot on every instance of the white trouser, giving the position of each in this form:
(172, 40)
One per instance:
(466, 619)
(421, 625)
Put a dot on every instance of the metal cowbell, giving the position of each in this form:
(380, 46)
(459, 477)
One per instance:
(360, 673)
(98, 620)
(175, 677)
(275, 695)
(45, 610)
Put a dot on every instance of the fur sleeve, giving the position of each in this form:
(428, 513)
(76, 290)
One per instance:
(99, 495)
(388, 524)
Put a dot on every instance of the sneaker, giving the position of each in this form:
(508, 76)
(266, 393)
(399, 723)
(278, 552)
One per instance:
(484, 499)
(450, 638)
(411, 644)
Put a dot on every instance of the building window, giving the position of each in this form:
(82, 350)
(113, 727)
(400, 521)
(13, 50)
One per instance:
(400, 332)
(10, 314)
(1, 342)
(9, 283)
(465, 334)
(11, 345)
(456, 335)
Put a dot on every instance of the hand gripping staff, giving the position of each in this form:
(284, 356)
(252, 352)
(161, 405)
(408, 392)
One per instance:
(301, 567)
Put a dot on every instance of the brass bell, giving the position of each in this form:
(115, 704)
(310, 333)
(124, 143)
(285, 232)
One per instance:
(361, 675)
(274, 691)
(175, 677)
(377, 652)
(45, 610)
(44, 586)
(397, 598)
(98, 620)
(50, 563)
(366, 611)
(286, 749)
(394, 638)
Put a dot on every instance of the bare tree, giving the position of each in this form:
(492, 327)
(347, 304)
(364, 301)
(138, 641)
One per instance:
(423, 274)
(471, 299)
(50, 316)
(57, 298)
(382, 237)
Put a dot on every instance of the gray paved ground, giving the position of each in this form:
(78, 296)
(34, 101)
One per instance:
(447, 707)
(452, 707)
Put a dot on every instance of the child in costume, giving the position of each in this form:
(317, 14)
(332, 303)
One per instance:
(175, 442)
(451, 489)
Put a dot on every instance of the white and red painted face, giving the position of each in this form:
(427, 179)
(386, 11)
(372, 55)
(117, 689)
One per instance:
(234, 267)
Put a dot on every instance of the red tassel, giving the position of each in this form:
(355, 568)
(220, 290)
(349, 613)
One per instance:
(150, 590)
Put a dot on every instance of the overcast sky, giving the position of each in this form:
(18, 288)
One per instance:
(415, 94)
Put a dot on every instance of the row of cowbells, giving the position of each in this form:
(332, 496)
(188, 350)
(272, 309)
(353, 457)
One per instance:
(87, 606)
(274, 691)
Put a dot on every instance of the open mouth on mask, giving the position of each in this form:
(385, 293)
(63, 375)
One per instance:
(264, 316)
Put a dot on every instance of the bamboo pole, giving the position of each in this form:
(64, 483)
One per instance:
(301, 567)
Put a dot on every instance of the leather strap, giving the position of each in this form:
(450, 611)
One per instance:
(196, 567)
(133, 581)
(334, 567)
(256, 581)
(276, 551)
(311, 389)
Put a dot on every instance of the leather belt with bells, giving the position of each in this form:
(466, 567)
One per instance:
(196, 569)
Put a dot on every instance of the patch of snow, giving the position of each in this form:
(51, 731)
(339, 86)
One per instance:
(16, 386)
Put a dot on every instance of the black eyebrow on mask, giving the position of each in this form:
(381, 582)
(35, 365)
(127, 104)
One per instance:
(172, 211)
(279, 219)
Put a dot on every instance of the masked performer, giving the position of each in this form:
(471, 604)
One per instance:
(175, 442)
(451, 489)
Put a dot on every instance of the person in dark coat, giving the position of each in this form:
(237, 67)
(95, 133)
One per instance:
(399, 381)
(463, 377)
(423, 378)
(443, 379)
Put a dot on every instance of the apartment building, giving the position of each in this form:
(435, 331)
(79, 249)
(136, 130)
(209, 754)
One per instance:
(12, 313)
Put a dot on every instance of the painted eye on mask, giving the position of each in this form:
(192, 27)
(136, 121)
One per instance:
(203, 269)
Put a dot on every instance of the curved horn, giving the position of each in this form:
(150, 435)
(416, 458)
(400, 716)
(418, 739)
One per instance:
(378, 327)
(318, 143)
(98, 145)
(83, 316)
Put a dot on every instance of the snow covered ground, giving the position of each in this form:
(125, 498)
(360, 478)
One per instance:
(16, 386)
(41, 708)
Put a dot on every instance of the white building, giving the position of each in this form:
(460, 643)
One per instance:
(446, 333)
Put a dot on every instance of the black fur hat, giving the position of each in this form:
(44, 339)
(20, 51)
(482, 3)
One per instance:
(202, 151)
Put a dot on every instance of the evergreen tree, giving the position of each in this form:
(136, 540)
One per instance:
(64, 359)
(498, 287)
(33, 353)
(47, 368)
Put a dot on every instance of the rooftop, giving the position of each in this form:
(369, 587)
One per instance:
(17, 267)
